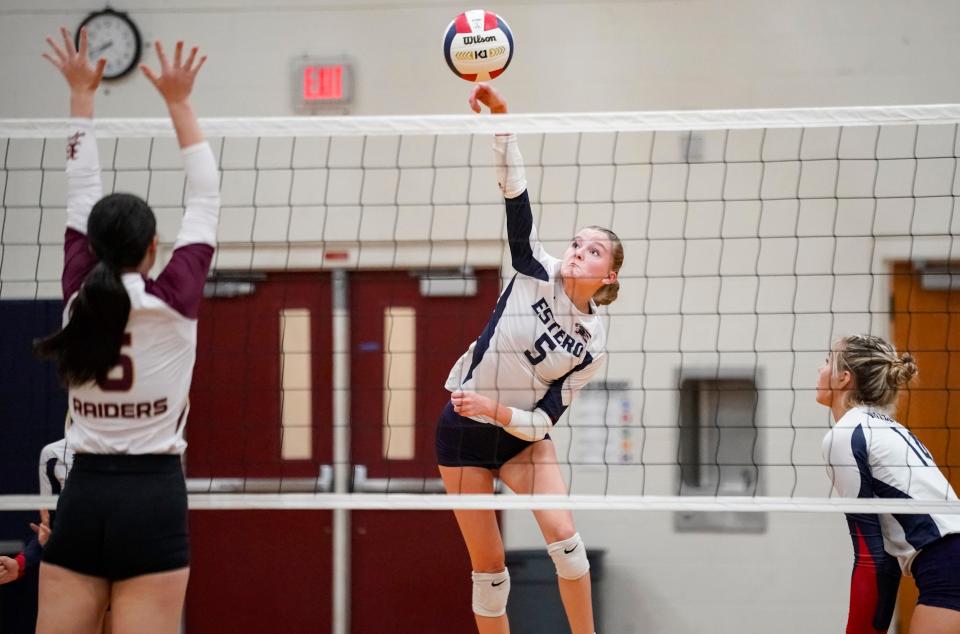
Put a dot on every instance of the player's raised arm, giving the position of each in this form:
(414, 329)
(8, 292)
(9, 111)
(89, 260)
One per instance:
(181, 282)
(73, 64)
(175, 84)
(83, 162)
(526, 251)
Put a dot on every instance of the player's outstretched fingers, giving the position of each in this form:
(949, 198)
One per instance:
(164, 65)
(149, 74)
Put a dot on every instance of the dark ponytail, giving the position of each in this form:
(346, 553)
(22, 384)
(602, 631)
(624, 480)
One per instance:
(120, 229)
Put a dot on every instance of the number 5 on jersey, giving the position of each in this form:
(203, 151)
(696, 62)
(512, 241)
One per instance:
(544, 339)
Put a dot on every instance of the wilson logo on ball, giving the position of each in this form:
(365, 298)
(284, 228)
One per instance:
(478, 45)
(470, 39)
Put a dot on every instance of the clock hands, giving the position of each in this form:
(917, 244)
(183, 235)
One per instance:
(96, 52)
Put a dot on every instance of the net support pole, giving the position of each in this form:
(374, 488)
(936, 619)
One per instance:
(341, 452)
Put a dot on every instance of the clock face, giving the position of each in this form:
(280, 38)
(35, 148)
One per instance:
(114, 37)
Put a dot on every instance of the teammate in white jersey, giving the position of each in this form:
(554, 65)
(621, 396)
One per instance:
(544, 341)
(126, 353)
(870, 455)
(55, 463)
(56, 459)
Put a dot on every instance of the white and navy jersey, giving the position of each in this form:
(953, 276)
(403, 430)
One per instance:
(870, 455)
(142, 406)
(56, 459)
(537, 349)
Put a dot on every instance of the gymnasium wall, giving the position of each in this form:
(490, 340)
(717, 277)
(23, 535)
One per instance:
(585, 56)
(571, 56)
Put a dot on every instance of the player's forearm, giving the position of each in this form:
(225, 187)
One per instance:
(502, 414)
(875, 578)
(529, 425)
(202, 212)
(185, 123)
(84, 188)
(81, 104)
(511, 176)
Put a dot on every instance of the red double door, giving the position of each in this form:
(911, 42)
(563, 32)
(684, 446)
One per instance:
(272, 570)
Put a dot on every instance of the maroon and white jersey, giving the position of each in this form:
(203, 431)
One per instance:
(142, 406)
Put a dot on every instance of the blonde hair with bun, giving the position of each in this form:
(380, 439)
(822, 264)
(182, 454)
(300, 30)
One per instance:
(878, 371)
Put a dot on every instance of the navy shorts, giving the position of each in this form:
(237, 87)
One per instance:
(936, 571)
(121, 516)
(464, 442)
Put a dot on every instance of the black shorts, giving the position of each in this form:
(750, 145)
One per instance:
(464, 442)
(121, 516)
(937, 573)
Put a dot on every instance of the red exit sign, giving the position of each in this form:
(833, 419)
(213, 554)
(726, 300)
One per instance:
(321, 83)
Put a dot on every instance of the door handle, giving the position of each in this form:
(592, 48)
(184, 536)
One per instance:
(323, 483)
(362, 484)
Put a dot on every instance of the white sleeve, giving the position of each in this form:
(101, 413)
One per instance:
(203, 197)
(511, 176)
(534, 424)
(84, 188)
(842, 466)
(529, 425)
(527, 254)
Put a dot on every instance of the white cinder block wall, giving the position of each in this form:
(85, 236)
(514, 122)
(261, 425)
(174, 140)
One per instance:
(731, 259)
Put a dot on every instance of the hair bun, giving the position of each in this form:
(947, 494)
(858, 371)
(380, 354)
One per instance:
(607, 294)
(903, 370)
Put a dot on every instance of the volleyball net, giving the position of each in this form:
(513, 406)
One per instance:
(359, 257)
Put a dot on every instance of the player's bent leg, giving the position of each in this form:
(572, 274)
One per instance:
(481, 533)
(569, 557)
(490, 593)
(536, 471)
(479, 528)
(928, 619)
(69, 601)
(149, 604)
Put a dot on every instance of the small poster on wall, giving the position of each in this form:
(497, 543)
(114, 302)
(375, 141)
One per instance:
(605, 430)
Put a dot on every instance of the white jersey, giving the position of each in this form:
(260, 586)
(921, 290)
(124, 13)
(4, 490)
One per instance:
(56, 460)
(870, 455)
(142, 406)
(537, 349)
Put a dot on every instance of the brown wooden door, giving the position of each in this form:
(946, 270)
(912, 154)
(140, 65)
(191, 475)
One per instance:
(410, 570)
(926, 323)
(253, 568)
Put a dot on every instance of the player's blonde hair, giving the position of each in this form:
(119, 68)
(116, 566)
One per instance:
(608, 293)
(878, 371)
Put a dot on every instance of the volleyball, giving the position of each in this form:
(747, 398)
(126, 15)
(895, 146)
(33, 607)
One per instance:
(478, 45)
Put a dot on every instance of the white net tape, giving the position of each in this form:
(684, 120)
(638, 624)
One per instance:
(752, 238)
(427, 502)
(663, 121)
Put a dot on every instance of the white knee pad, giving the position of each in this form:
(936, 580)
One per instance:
(570, 557)
(490, 592)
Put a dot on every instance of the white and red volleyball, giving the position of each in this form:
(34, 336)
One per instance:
(478, 45)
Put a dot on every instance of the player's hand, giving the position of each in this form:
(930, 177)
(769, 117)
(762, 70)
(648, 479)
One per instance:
(472, 404)
(73, 64)
(175, 82)
(9, 570)
(488, 96)
(43, 528)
